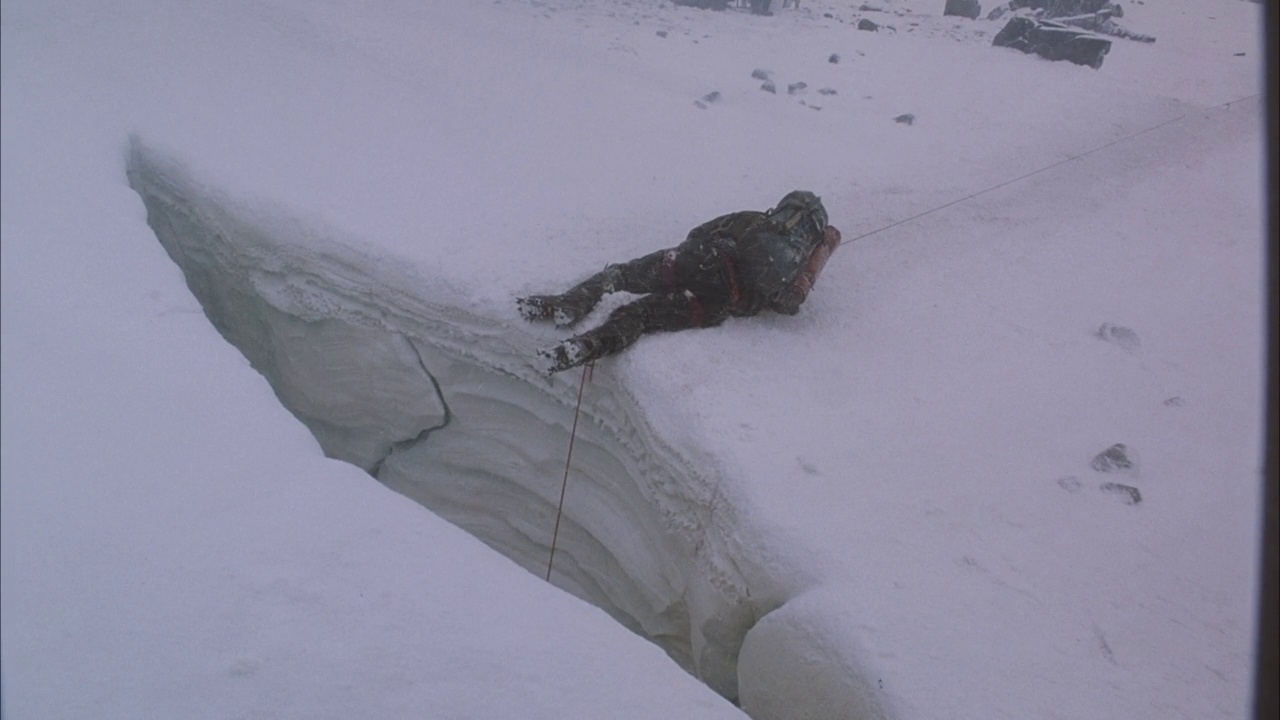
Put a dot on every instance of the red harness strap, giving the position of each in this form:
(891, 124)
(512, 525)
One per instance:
(731, 276)
(697, 314)
(667, 268)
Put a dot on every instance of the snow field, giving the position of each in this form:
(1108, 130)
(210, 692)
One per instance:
(902, 470)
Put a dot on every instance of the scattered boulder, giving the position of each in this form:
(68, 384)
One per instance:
(905, 119)
(761, 74)
(796, 87)
(713, 96)
(834, 59)
(1175, 401)
(1116, 459)
(865, 24)
(963, 8)
(1122, 336)
(1128, 493)
(1053, 41)
(662, 33)
(826, 91)
(769, 87)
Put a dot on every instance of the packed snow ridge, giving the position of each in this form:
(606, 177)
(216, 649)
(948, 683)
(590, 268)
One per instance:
(441, 405)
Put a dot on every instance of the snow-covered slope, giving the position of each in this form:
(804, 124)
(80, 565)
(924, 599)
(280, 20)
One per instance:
(883, 507)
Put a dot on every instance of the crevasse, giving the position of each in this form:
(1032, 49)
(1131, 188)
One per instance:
(437, 403)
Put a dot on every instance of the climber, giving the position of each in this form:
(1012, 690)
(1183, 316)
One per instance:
(735, 265)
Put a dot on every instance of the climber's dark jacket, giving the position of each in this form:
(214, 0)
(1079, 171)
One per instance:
(735, 265)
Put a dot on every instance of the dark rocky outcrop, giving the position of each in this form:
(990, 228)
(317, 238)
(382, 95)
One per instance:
(1094, 15)
(1053, 41)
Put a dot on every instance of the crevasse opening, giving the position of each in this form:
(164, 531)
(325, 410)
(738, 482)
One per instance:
(436, 403)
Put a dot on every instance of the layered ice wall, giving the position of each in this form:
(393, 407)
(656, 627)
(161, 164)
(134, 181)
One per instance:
(439, 404)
